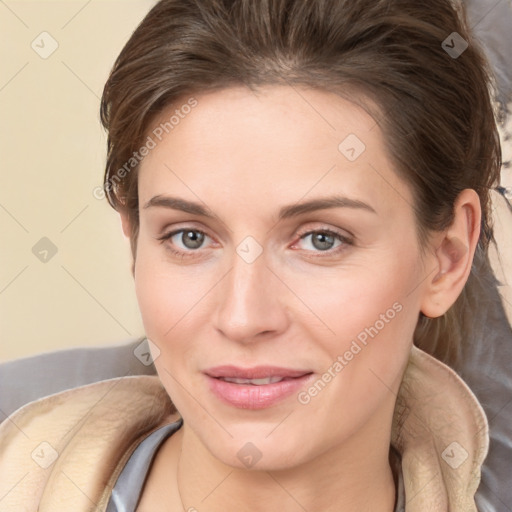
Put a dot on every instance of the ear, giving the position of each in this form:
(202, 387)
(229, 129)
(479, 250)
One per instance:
(126, 224)
(127, 230)
(452, 256)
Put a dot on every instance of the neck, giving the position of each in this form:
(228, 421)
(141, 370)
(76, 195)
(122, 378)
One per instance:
(354, 477)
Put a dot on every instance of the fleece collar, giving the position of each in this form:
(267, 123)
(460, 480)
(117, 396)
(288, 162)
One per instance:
(65, 451)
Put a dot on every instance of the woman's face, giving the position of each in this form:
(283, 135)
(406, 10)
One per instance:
(269, 277)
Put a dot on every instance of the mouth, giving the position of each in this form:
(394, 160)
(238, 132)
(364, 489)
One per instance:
(255, 373)
(255, 388)
(255, 382)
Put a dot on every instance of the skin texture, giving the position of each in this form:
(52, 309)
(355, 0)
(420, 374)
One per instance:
(243, 156)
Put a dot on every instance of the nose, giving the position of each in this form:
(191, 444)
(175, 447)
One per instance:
(250, 302)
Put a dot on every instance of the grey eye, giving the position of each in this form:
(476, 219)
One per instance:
(191, 239)
(322, 240)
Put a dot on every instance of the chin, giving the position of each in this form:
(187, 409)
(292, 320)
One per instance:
(249, 457)
(252, 448)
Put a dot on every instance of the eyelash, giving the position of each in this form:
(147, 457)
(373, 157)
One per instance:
(346, 241)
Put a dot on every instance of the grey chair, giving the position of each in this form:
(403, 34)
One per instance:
(27, 379)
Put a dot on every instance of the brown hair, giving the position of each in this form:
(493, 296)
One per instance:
(435, 109)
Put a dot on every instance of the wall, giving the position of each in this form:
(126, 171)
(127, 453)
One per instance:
(64, 263)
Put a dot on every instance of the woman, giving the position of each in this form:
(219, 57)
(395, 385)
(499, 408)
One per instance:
(305, 186)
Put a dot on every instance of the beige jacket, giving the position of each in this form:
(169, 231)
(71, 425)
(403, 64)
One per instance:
(64, 452)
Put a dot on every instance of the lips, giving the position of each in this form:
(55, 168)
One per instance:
(255, 388)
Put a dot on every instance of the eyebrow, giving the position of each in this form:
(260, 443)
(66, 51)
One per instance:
(285, 212)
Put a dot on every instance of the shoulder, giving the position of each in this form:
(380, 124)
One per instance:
(46, 444)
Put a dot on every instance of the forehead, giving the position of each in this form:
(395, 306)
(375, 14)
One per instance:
(279, 141)
(277, 117)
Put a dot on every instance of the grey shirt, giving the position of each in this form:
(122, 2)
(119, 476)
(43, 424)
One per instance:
(128, 487)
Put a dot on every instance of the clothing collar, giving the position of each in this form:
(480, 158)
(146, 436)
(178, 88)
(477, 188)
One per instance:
(442, 434)
(438, 427)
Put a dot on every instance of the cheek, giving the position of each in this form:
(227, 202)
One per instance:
(165, 301)
(368, 316)
(154, 304)
(165, 294)
(373, 322)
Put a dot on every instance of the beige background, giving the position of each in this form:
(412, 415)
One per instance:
(52, 151)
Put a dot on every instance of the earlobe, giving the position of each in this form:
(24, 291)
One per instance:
(453, 256)
(126, 225)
